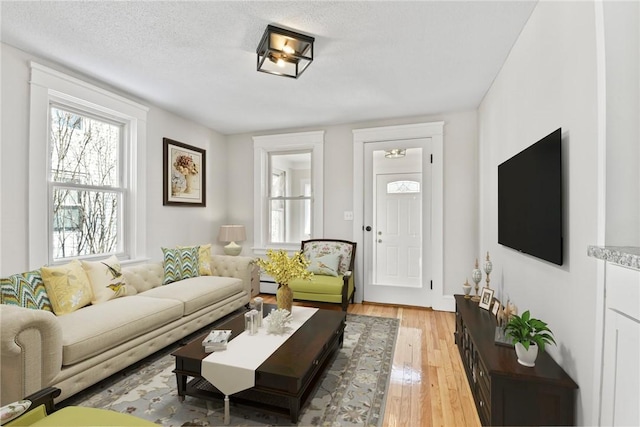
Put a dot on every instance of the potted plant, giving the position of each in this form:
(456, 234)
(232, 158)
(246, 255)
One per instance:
(284, 268)
(528, 335)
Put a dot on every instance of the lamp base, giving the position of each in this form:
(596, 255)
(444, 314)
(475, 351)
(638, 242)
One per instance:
(233, 249)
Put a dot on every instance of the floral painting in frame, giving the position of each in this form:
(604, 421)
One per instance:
(184, 172)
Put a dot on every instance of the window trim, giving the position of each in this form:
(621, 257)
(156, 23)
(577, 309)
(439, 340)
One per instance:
(48, 86)
(262, 147)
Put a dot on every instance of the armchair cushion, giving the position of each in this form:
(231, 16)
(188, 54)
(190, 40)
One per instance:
(325, 265)
(328, 285)
(78, 416)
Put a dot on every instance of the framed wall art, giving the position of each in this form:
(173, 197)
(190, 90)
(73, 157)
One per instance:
(485, 298)
(184, 174)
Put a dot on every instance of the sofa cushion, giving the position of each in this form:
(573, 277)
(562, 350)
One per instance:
(197, 292)
(107, 281)
(97, 328)
(145, 276)
(204, 258)
(25, 290)
(180, 264)
(68, 287)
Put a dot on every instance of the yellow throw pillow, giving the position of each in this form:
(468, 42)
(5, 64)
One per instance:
(68, 287)
(107, 281)
(204, 259)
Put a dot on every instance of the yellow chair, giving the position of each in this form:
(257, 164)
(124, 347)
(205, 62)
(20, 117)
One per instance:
(331, 261)
(42, 413)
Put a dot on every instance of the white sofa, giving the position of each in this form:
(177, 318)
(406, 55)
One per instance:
(77, 350)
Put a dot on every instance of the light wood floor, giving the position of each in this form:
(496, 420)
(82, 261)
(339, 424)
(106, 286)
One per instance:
(428, 385)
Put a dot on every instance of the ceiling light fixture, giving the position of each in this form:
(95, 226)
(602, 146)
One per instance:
(284, 52)
(395, 153)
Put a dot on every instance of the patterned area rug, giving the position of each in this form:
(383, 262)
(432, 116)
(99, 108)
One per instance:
(352, 390)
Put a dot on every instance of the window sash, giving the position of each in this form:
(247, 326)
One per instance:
(107, 238)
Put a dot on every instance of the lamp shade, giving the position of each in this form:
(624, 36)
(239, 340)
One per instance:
(284, 52)
(232, 233)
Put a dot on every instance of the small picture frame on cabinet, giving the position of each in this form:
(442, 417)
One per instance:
(485, 298)
(496, 307)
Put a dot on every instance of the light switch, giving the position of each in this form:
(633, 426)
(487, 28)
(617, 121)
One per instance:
(348, 215)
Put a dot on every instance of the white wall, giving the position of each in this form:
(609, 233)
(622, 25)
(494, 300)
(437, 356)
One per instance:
(622, 47)
(460, 187)
(166, 226)
(549, 81)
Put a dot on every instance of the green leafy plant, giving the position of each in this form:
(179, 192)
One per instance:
(526, 330)
(284, 268)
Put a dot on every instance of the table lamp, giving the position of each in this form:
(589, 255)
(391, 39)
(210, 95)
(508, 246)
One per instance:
(232, 234)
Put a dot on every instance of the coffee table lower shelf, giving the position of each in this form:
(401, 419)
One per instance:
(272, 402)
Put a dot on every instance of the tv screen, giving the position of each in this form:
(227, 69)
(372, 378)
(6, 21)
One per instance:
(530, 200)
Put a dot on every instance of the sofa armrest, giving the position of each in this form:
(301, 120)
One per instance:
(31, 351)
(233, 266)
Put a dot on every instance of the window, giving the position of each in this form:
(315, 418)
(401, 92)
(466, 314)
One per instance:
(87, 171)
(289, 200)
(400, 187)
(86, 186)
(288, 189)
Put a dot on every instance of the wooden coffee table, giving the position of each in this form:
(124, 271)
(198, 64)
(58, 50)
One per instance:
(284, 381)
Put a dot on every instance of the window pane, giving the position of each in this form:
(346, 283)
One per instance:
(290, 220)
(84, 222)
(288, 172)
(84, 150)
(396, 187)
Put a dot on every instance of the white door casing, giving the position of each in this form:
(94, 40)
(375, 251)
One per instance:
(434, 254)
(416, 161)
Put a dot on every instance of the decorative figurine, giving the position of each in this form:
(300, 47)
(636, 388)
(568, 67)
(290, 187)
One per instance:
(466, 287)
(488, 266)
(476, 276)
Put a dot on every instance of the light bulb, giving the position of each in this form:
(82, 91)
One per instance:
(288, 49)
(280, 62)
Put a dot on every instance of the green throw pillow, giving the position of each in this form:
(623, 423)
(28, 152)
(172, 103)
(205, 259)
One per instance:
(26, 290)
(325, 265)
(180, 264)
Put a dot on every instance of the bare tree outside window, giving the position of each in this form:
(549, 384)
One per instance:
(86, 186)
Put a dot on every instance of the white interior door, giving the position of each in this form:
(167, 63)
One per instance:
(397, 206)
(398, 230)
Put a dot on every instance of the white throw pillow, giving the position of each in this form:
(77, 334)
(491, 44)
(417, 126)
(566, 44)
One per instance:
(107, 281)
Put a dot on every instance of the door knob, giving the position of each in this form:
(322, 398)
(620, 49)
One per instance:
(368, 228)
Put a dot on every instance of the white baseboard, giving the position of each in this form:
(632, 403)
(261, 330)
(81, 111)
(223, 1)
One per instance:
(445, 303)
(268, 288)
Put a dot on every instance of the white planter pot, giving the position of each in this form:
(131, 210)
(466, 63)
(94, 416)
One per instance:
(527, 357)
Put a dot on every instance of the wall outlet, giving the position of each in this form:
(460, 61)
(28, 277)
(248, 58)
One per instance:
(348, 215)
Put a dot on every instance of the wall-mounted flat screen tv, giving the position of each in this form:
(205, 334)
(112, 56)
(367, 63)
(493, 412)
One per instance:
(530, 200)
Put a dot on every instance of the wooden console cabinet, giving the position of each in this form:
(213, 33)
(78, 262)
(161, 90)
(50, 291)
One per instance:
(505, 392)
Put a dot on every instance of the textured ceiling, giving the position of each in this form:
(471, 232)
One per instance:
(373, 60)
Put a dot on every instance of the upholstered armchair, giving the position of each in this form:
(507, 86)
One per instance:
(331, 262)
(41, 411)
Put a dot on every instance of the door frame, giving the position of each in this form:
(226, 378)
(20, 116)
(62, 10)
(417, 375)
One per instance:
(434, 131)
